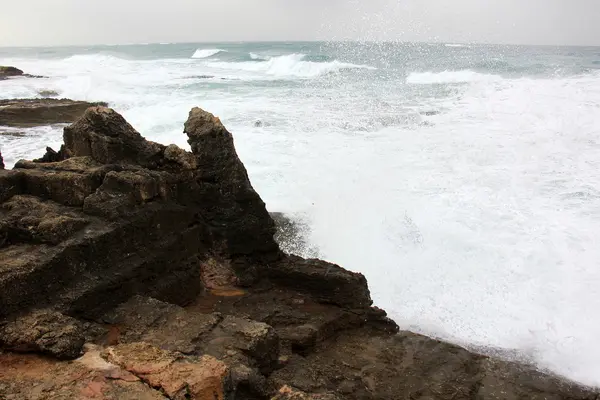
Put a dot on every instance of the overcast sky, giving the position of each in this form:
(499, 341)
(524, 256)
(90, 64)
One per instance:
(62, 22)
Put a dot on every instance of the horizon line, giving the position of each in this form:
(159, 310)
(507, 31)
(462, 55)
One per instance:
(433, 42)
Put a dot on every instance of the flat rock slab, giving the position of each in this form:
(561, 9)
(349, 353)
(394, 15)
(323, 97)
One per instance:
(35, 112)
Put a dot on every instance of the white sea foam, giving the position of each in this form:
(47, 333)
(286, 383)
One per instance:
(482, 229)
(205, 53)
(428, 78)
(455, 45)
(288, 65)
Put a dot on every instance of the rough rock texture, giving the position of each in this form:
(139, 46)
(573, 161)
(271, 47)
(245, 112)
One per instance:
(33, 112)
(89, 377)
(175, 376)
(163, 262)
(44, 332)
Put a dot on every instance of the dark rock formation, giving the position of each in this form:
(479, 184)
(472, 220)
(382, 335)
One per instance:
(6, 72)
(163, 262)
(34, 112)
(1, 161)
(12, 72)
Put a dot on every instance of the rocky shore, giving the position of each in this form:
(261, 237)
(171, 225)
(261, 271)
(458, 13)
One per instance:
(134, 270)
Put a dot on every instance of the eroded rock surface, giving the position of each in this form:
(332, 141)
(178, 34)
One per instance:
(44, 332)
(144, 271)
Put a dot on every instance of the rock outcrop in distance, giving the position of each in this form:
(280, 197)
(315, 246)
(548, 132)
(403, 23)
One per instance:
(134, 270)
(7, 72)
(35, 112)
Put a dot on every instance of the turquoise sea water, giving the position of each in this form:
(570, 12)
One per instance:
(462, 180)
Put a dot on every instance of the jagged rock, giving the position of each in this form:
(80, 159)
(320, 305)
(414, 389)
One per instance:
(34, 112)
(108, 174)
(53, 155)
(178, 377)
(105, 136)
(223, 174)
(44, 332)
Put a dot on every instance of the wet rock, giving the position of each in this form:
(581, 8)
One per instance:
(328, 282)
(407, 365)
(223, 174)
(1, 161)
(34, 112)
(44, 332)
(48, 93)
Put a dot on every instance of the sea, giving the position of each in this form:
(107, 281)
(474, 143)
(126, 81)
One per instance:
(463, 180)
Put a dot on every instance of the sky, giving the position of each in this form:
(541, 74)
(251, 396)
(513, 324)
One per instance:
(82, 22)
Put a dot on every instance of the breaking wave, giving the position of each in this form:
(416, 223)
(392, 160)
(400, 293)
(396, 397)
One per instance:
(205, 53)
(289, 65)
